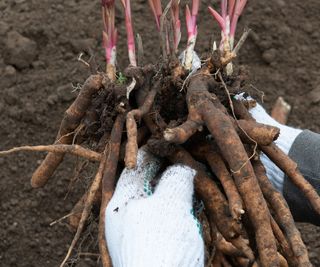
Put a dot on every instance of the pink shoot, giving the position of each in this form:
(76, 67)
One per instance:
(176, 22)
(231, 4)
(228, 22)
(156, 10)
(238, 9)
(109, 36)
(191, 20)
(218, 18)
(130, 35)
(224, 7)
(195, 10)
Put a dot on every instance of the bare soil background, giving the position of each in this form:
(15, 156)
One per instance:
(40, 42)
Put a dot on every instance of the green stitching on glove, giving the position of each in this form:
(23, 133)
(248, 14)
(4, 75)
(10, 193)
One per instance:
(147, 187)
(199, 226)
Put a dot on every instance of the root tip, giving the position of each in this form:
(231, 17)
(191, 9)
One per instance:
(169, 135)
(131, 165)
(36, 183)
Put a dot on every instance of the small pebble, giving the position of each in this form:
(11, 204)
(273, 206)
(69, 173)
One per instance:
(285, 30)
(19, 50)
(52, 99)
(38, 64)
(280, 3)
(10, 71)
(314, 95)
(269, 55)
(307, 27)
(265, 44)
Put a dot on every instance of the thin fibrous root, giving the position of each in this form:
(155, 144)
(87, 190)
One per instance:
(88, 204)
(76, 212)
(132, 116)
(108, 184)
(76, 150)
(69, 123)
(284, 162)
(207, 108)
(215, 202)
(282, 214)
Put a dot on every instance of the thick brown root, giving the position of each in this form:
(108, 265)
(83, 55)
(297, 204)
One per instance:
(227, 248)
(132, 116)
(290, 168)
(280, 111)
(252, 132)
(282, 215)
(70, 122)
(216, 262)
(142, 136)
(108, 184)
(283, 244)
(182, 133)
(217, 165)
(283, 261)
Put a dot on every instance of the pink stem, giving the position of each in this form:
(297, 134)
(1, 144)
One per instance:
(238, 9)
(176, 22)
(189, 22)
(191, 18)
(231, 8)
(130, 35)
(243, 4)
(156, 10)
(224, 6)
(218, 18)
(195, 10)
(109, 34)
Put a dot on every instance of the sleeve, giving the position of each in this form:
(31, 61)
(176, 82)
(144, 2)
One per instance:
(306, 152)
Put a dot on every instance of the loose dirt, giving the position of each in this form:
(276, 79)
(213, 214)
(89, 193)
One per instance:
(40, 42)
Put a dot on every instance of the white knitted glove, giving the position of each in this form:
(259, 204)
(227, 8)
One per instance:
(154, 229)
(284, 141)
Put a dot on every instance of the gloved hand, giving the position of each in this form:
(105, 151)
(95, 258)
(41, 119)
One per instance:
(303, 147)
(146, 228)
(284, 141)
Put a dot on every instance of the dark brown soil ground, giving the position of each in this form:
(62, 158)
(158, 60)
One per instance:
(40, 42)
